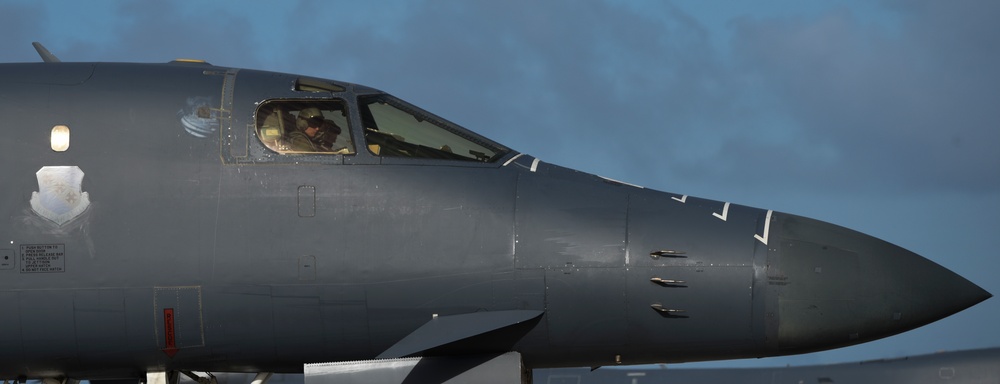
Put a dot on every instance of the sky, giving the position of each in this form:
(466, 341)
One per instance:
(881, 116)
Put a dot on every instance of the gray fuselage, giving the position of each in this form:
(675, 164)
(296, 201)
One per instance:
(204, 249)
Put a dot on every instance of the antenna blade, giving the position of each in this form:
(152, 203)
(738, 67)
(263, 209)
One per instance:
(47, 56)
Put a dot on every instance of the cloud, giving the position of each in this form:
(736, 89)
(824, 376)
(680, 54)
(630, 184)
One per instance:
(140, 31)
(899, 109)
(19, 20)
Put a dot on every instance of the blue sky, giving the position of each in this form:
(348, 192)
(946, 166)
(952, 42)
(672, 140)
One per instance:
(881, 116)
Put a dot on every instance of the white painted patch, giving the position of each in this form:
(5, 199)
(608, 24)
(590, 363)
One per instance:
(767, 228)
(198, 117)
(682, 199)
(59, 197)
(534, 165)
(512, 159)
(725, 212)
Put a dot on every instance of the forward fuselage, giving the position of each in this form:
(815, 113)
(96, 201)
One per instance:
(202, 248)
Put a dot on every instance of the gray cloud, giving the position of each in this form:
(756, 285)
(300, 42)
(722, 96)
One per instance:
(160, 32)
(897, 108)
(18, 21)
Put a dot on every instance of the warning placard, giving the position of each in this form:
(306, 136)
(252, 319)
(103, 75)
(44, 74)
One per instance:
(43, 258)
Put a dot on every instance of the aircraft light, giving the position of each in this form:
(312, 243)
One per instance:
(59, 139)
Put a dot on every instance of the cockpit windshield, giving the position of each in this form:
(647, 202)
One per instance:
(394, 128)
(389, 128)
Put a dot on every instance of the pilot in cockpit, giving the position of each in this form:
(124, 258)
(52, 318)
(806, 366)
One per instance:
(314, 133)
(305, 137)
(302, 138)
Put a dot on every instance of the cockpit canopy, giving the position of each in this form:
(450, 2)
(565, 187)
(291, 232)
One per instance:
(386, 126)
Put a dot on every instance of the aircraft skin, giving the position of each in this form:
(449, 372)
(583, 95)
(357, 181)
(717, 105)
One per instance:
(167, 235)
(980, 366)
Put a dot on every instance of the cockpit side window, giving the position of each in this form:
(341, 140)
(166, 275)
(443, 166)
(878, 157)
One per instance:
(394, 128)
(305, 126)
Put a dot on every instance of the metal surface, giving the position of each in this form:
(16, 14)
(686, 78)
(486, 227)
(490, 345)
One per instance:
(204, 249)
(473, 369)
(962, 367)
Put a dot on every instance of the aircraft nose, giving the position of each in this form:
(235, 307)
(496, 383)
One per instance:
(835, 286)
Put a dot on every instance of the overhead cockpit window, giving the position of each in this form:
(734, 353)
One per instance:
(305, 126)
(309, 84)
(394, 128)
